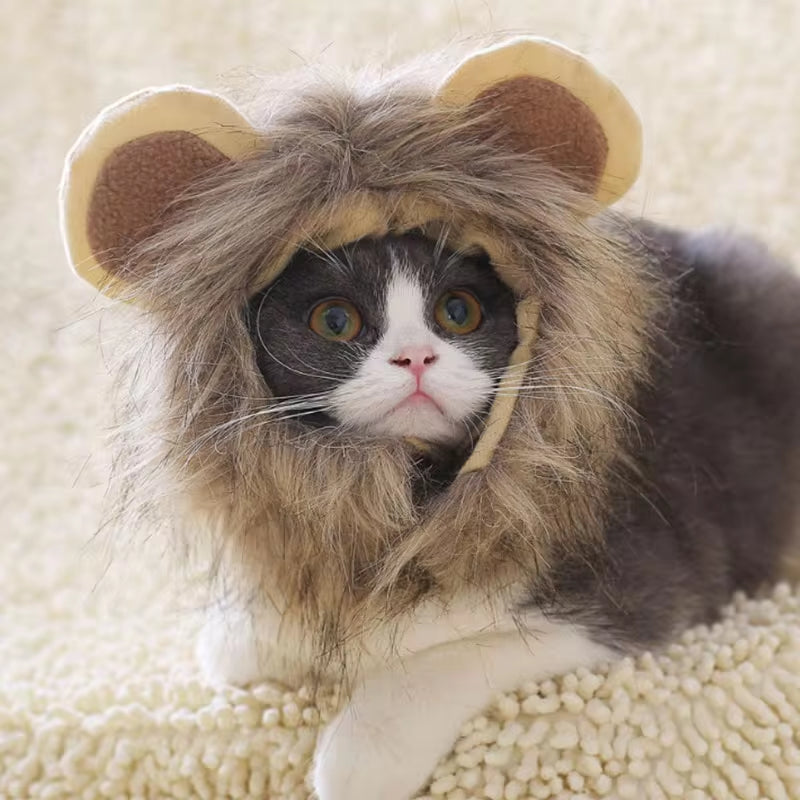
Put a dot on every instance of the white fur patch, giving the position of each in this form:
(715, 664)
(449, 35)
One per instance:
(420, 683)
(403, 718)
(372, 399)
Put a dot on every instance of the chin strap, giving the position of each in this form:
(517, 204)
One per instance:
(419, 444)
(438, 455)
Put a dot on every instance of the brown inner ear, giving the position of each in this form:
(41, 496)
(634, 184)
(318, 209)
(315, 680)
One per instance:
(135, 186)
(539, 115)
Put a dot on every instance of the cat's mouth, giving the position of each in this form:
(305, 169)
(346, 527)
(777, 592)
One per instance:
(421, 416)
(418, 398)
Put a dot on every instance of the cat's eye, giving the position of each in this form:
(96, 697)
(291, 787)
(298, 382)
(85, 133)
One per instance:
(458, 311)
(336, 319)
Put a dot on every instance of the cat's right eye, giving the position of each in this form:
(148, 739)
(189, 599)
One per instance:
(336, 319)
(458, 311)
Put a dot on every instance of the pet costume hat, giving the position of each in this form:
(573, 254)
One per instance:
(142, 152)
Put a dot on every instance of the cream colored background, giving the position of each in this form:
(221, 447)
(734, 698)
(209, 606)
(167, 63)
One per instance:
(717, 84)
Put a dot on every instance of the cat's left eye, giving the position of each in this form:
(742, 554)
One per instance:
(336, 319)
(458, 311)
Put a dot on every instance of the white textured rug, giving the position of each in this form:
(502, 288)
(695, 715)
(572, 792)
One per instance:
(99, 696)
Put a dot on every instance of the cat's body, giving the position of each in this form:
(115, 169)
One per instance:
(712, 503)
(706, 504)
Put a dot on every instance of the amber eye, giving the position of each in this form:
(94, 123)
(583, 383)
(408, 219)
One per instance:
(336, 319)
(458, 311)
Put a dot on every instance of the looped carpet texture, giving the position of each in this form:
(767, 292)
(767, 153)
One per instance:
(99, 693)
(716, 715)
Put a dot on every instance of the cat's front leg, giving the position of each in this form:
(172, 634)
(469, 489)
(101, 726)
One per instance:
(230, 648)
(243, 644)
(402, 719)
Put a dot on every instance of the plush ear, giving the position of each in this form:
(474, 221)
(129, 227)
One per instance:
(131, 163)
(549, 99)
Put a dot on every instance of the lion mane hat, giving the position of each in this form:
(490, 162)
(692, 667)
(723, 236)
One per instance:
(173, 200)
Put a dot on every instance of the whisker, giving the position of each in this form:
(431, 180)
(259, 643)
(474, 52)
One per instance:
(536, 393)
(313, 404)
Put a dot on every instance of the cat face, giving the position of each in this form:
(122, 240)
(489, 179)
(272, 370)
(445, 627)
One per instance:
(390, 337)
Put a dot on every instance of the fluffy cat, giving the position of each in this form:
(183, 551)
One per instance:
(448, 422)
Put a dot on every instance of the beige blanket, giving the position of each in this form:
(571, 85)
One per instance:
(99, 695)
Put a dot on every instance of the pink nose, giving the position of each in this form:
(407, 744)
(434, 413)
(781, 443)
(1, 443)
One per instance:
(416, 359)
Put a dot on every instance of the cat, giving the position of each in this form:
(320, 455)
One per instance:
(449, 424)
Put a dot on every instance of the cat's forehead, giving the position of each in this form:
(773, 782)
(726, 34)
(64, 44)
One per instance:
(371, 265)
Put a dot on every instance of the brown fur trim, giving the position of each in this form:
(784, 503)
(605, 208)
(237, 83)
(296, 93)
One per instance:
(325, 526)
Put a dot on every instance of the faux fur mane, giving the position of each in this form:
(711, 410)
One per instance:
(323, 524)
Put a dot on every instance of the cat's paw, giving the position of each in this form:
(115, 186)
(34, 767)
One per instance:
(228, 650)
(357, 759)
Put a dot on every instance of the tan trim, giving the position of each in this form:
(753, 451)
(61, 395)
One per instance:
(508, 390)
(542, 58)
(171, 108)
(364, 214)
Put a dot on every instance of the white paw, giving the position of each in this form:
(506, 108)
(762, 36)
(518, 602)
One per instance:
(228, 649)
(358, 758)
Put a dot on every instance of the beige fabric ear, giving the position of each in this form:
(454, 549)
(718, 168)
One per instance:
(550, 99)
(129, 165)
